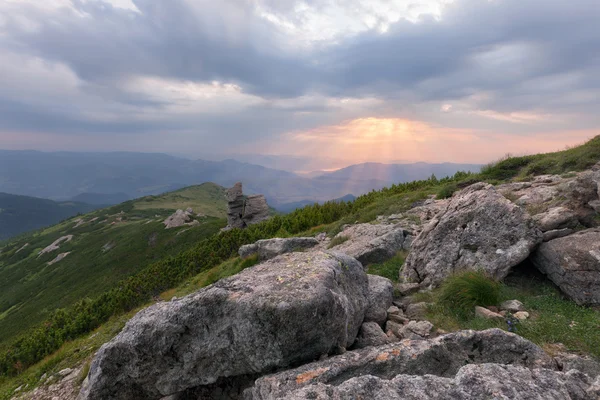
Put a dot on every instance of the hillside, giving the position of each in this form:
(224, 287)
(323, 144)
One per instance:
(216, 257)
(100, 249)
(394, 173)
(19, 214)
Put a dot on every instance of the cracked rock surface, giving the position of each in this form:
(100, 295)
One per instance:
(479, 228)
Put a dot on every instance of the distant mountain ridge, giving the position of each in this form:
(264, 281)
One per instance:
(122, 175)
(398, 172)
(19, 214)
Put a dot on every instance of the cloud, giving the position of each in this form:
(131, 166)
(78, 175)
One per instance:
(240, 74)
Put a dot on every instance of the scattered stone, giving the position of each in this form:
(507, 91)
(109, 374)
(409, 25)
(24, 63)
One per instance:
(573, 264)
(417, 311)
(65, 372)
(521, 315)
(22, 248)
(58, 258)
(585, 364)
(271, 248)
(244, 325)
(381, 294)
(396, 315)
(108, 247)
(78, 222)
(556, 218)
(371, 243)
(321, 236)
(179, 218)
(512, 306)
(483, 312)
(443, 357)
(417, 330)
(406, 289)
(370, 334)
(56, 244)
(478, 229)
(557, 233)
(395, 328)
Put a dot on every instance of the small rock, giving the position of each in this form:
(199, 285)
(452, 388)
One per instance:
(406, 289)
(512, 306)
(395, 328)
(65, 372)
(417, 330)
(487, 314)
(370, 334)
(521, 315)
(17, 390)
(557, 233)
(321, 236)
(396, 315)
(417, 311)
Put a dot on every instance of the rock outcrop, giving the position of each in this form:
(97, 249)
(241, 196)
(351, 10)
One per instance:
(440, 357)
(573, 264)
(471, 382)
(286, 311)
(478, 229)
(180, 218)
(370, 243)
(271, 248)
(243, 211)
(55, 245)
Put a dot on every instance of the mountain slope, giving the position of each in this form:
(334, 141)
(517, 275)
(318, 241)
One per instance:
(99, 249)
(398, 172)
(20, 214)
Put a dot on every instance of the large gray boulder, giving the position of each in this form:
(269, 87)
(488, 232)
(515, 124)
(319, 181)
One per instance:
(284, 312)
(370, 243)
(573, 264)
(381, 295)
(478, 229)
(472, 382)
(271, 248)
(443, 356)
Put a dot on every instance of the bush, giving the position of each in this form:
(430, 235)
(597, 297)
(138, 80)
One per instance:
(463, 291)
(447, 191)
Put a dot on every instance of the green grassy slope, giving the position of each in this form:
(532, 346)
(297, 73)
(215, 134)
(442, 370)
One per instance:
(109, 246)
(208, 254)
(19, 214)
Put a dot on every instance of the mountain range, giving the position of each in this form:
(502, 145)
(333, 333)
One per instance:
(109, 178)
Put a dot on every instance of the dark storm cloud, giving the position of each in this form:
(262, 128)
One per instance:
(508, 48)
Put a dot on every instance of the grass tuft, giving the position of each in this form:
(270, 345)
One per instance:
(389, 269)
(336, 241)
(463, 291)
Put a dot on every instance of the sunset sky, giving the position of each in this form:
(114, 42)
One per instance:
(339, 81)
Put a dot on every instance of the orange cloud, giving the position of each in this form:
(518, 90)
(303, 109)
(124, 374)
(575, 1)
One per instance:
(396, 139)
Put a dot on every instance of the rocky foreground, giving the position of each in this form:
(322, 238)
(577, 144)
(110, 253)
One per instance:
(308, 322)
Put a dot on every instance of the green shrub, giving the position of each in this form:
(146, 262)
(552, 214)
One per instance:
(336, 241)
(463, 291)
(389, 269)
(447, 191)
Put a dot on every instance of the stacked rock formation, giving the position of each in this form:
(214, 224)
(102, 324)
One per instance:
(245, 210)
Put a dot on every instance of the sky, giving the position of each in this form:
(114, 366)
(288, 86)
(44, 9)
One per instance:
(338, 82)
